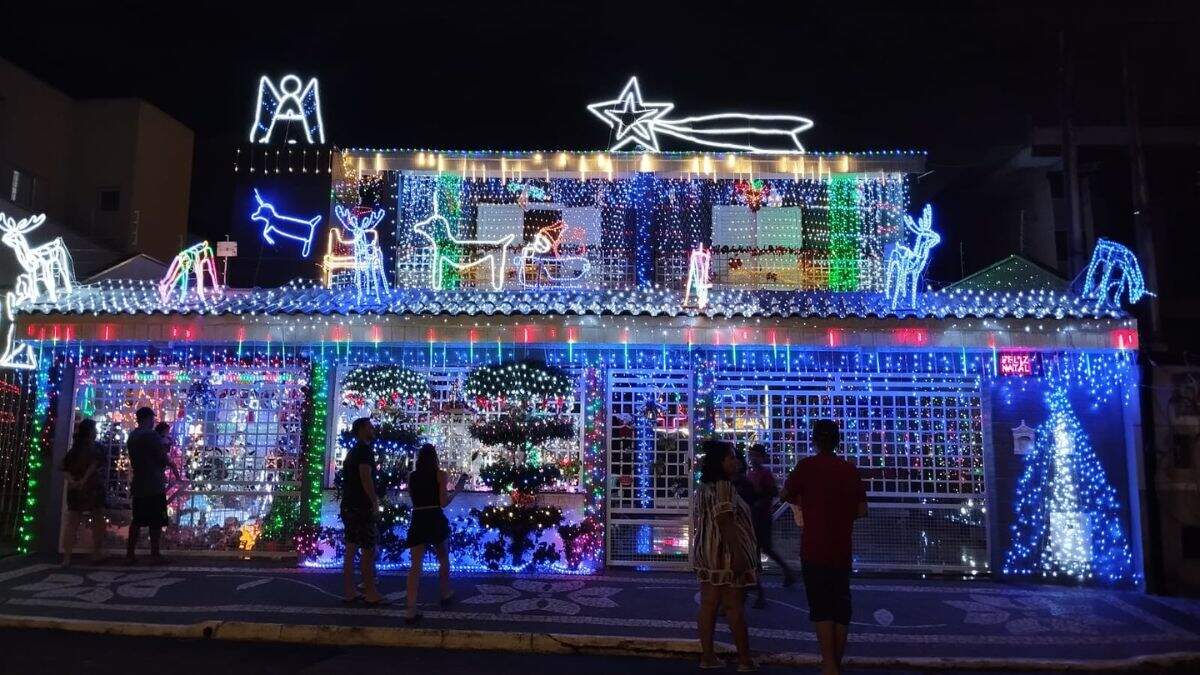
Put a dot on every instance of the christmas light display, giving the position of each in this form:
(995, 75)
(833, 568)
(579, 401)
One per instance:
(697, 285)
(314, 453)
(49, 274)
(192, 263)
(436, 229)
(557, 269)
(637, 122)
(1068, 518)
(296, 229)
(365, 258)
(40, 449)
(906, 265)
(521, 384)
(1112, 271)
(290, 101)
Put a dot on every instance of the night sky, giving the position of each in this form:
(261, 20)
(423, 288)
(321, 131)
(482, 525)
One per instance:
(959, 82)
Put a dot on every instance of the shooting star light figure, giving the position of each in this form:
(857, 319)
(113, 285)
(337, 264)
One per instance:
(636, 121)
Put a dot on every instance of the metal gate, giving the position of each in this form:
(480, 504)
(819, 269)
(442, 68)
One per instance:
(650, 477)
(918, 445)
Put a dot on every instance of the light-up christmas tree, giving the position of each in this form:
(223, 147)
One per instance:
(1068, 518)
(522, 407)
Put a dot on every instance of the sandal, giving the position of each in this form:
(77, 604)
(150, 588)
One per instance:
(413, 620)
(448, 600)
(718, 665)
(353, 601)
(381, 602)
(747, 667)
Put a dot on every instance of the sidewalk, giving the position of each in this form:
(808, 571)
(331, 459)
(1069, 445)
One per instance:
(919, 624)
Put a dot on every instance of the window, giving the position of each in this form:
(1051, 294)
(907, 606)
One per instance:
(110, 199)
(23, 188)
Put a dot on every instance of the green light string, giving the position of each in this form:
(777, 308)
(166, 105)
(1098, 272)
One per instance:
(449, 196)
(40, 427)
(314, 452)
(844, 225)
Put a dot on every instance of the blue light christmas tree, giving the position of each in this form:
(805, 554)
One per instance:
(1068, 518)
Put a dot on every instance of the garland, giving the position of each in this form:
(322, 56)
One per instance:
(518, 384)
(504, 476)
(514, 431)
(384, 386)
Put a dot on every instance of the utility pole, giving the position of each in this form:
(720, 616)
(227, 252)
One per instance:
(1070, 159)
(1143, 233)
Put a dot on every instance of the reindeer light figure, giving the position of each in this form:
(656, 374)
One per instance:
(699, 267)
(905, 265)
(1113, 270)
(192, 262)
(296, 229)
(436, 227)
(48, 269)
(557, 268)
(365, 259)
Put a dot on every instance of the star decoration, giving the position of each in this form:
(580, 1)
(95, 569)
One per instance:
(631, 117)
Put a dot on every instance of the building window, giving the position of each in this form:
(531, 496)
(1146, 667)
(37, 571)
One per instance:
(110, 200)
(22, 189)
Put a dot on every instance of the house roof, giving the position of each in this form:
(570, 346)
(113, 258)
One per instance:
(139, 266)
(141, 297)
(1012, 274)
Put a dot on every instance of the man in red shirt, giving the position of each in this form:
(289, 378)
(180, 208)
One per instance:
(831, 497)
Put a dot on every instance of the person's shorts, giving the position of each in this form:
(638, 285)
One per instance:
(150, 510)
(828, 591)
(360, 527)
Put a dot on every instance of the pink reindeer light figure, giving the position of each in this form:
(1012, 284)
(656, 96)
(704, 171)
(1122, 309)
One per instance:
(699, 268)
(194, 262)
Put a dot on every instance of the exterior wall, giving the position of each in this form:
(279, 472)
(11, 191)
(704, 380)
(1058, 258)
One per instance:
(77, 148)
(1006, 402)
(35, 121)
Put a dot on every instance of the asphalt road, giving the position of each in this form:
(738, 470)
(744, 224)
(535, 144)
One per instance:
(28, 652)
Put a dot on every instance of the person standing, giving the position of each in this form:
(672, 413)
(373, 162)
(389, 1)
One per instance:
(149, 462)
(723, 551)
(427, 488)
(762, 505)
(831, 496)
(360, 514)
(83, 465)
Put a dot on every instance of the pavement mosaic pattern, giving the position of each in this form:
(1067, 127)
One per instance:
(892, 619)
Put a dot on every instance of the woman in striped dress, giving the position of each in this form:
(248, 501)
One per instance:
(723, 552)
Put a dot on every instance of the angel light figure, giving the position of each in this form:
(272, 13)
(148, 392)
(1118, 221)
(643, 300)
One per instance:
(291, 101)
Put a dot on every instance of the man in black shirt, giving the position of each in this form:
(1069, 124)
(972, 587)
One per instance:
(359, 511)
(148, 461)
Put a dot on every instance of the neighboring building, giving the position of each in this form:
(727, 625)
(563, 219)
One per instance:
(116, 172)
(1016, 202)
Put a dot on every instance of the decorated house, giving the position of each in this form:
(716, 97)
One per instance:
(567, 327)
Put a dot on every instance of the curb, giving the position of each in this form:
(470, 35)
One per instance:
(550, 643)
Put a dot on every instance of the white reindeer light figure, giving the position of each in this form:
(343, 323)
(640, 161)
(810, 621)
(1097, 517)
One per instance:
(436, 224)
(194, 262)
(906, 265)
(365, 258)
(47, 268)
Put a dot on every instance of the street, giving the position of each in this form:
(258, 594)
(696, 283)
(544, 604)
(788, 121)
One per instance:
(63, 653)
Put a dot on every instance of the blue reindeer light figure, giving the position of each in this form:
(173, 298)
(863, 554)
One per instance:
(296, 229)
(1112, 271)
(906, 265)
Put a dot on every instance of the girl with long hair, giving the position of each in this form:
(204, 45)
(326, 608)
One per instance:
(723, 552)
(427, 488)
(83, 465)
